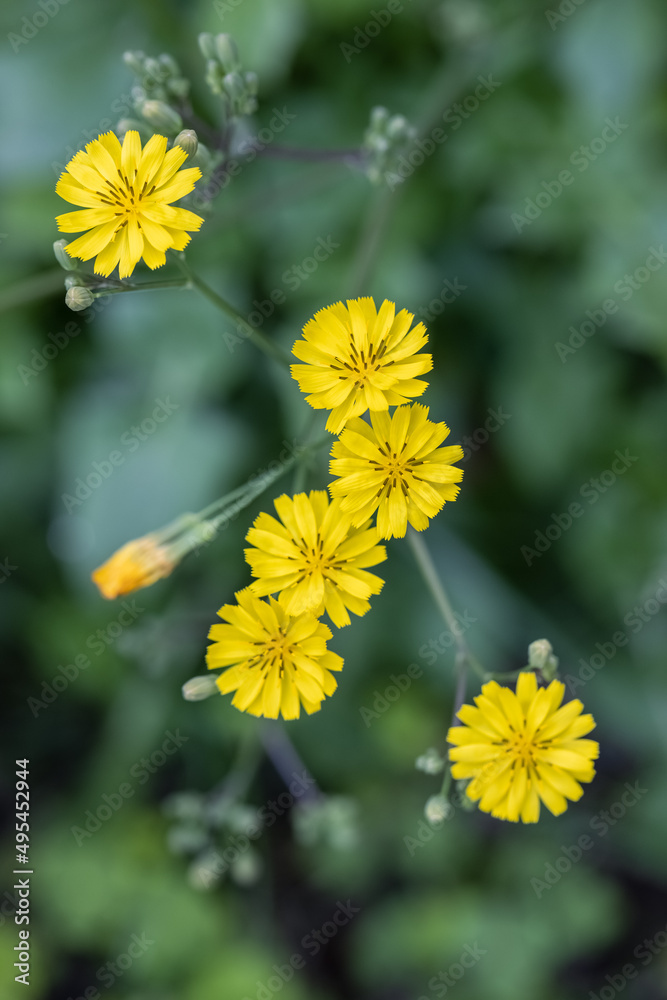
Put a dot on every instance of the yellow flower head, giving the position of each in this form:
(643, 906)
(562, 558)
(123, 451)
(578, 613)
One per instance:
(397, 467)
(137, 564)
(275, 662)
(314, 558)
(126, 196)
(358, 358)
(520, 748)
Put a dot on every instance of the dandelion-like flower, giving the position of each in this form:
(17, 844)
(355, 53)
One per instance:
(396, 466)
(126, 194)
(137, 564)
(522, 748)
(314, 558)
(274, 662)
(359, 358)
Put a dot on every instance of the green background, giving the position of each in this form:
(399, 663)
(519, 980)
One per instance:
(469, 883)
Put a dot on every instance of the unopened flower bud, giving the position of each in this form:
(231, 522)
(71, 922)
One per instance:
(207, 45)
(161, 116)
(234, 86)
(153, 69)
(187, 140)
(379, 116)
(397, 127)
(227, 52)
(430, 762)
(79, 297)
(206, 870)
(247, 869)
(170, 65)
(135, 61)
(66, 262)
(540, 657)
(252, 83)
(438, 809)
(199, 688)
(136, 564)
(214, 76)
(186, 839)
(178, 86)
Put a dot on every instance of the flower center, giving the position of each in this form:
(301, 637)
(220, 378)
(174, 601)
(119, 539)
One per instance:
(360, 365)
(313, 559)
(123, 198)
(395, 468)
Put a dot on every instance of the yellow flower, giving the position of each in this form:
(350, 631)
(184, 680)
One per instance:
(137, 564)
(358, 359)
(276, 663)
(397, 467)
(520, 748)
(314, 558)
(126, 195)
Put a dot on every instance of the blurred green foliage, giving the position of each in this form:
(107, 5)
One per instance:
(563, 72)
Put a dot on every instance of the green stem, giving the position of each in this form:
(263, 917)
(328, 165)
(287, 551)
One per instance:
(237, 782)
(433, 582)
(371, 239)
(146, 286)
(243, 496)
(258, 339)
(446, 781)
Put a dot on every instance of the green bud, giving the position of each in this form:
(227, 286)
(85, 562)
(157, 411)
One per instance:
(227, 52)
(187, 806)
(240, 816)
(438, 809)
(79, 297)
(214, 76)
(66, 262)
(199, 688)
(206, 870)
(186, 839)
(234, 86)
(187, 140)
(430, 762)
(154, 70)
(161, 116)
(540, 657)
(169, 64)
(247, 869)
(135, 61)
(178, 86)
(379, 117)
(207, 45)
(252, 83)
(397, 127)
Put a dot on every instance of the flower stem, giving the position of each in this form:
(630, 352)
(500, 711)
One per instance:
(428, 571)
(258, 339)
(145, 286)
(281, 752)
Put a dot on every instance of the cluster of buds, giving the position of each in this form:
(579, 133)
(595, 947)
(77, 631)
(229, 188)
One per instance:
(385, 140)
(160, 84)
(225, 77)
(80, 287)
(331, 821)
(216, 834)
